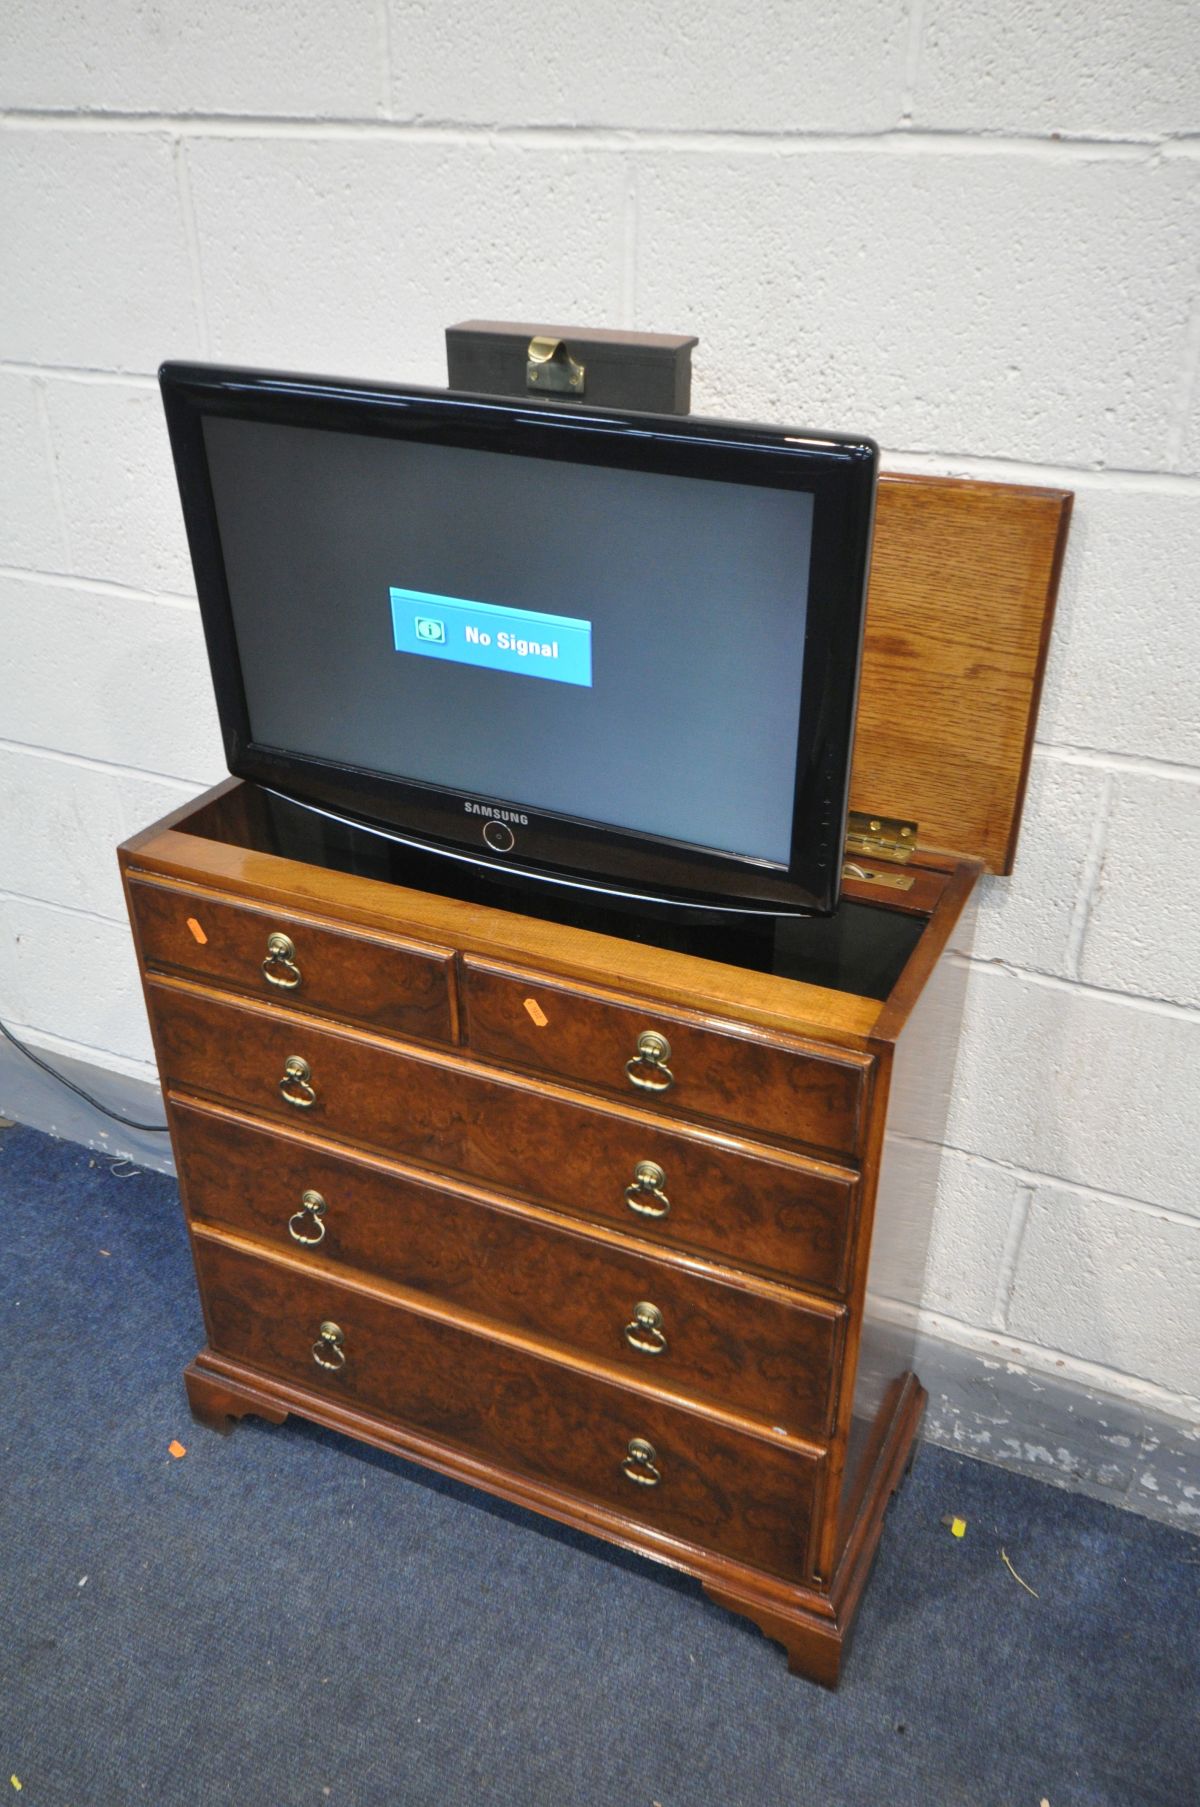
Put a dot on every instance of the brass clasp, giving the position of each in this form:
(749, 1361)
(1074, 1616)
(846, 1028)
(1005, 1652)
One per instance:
(550, 367)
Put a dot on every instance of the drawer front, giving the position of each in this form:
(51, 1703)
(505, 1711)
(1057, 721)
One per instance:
(512, 1408)
(767, 1085)
(391, 986)
(713, 1339)
(769, 1211)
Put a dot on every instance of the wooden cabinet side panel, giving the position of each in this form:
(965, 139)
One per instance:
(903, 1199)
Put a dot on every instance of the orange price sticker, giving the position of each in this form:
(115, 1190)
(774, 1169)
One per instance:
(536, 1012)
(197, 932)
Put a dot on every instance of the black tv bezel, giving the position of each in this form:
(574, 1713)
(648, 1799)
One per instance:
(838, 471)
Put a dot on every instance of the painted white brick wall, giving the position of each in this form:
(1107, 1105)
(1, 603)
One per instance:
(32, 525)
(773, 67)
(350, 255)
(1127, 1301)
(109, 675)
(1112, 70)
(298, 58)
(103, 270)
(120, 504)
(1123, 675)
(991, 302)
(969, 230)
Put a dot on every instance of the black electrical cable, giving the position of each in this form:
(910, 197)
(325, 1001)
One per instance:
(158, 1129)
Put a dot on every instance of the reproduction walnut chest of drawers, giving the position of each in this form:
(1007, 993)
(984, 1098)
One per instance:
(604, 1218)
(581, 1221)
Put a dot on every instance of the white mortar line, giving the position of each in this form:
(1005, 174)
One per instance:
(1006, 1275)
(1088, 892)
(112, 768)
(79, 373)
(106, 1058)
(1040, 1359)
(114, 919)
(1096, 759)
(1049, 476)
(42, 408)
(1188, 1013)
(384, 24)
(898, 460)
(629, 262)
(912, 60)
(1031, 1177)
(75, 911)
(1132, 148)
(99, 586)
(183, 188)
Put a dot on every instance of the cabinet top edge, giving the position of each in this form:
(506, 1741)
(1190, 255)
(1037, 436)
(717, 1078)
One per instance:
(175, 851)
(167, 851)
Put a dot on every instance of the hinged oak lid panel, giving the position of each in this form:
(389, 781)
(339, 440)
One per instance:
(963, 581)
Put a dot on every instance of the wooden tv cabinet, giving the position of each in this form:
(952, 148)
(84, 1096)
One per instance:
(588, 1213)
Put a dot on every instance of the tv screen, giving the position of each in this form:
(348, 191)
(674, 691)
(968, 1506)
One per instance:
(611, 650)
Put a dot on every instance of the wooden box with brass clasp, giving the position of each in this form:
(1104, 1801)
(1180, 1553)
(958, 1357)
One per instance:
(607, 1226)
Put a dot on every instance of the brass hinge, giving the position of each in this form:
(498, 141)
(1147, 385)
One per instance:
(880, 837)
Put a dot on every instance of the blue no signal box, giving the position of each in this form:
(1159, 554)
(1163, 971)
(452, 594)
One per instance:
(523, 641)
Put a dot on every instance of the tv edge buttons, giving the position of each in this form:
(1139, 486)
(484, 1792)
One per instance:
(499, 836)
(525, 642)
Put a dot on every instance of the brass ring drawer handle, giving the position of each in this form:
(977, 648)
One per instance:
(309, 1218)
(641, 1463)
(327, 1351)
(295, 1086)
(279, 967)
(648, 1069)
(645, 1193)
(645, 1332)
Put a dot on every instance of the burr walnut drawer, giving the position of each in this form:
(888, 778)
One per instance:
(678, 1325)
(705, 1481)
(688, 1188)
(393, 986)
(676, 1062)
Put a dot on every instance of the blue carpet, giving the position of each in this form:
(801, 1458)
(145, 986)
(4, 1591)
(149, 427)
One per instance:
(281, 1617)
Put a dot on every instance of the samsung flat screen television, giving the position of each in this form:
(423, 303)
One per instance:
(597, 649)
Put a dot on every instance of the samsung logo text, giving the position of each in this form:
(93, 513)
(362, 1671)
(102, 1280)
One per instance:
(498, 815)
